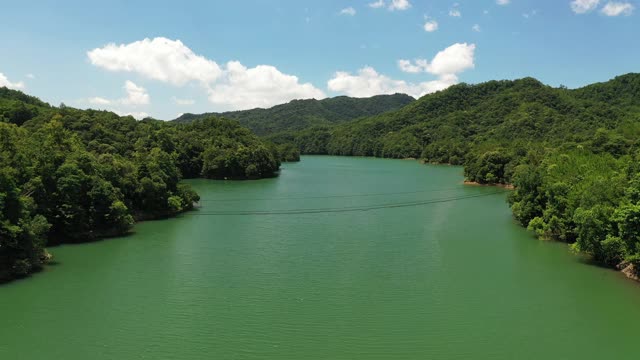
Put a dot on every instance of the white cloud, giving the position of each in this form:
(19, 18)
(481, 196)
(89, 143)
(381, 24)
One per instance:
(261, 86)
(445, 65)
(136, 95)
(454, 59)
(618, 8)
(139, 115)
(31, 76)
(399, 5)
(584, 6)
(430, 26)
(99, 101)
(348, 11)
(11, 85)
(159, 59)
(476, 28)
(377, 4)
(232, 86)
(503, 2)
(407, 66)
(367, 82)
(183, 102)
(455, 13)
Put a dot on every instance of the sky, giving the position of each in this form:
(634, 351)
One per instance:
(164, 58)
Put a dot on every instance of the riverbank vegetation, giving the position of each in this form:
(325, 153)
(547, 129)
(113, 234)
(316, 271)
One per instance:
(69, 175)
(572, 155)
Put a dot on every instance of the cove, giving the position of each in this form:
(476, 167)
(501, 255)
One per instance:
(337, 258)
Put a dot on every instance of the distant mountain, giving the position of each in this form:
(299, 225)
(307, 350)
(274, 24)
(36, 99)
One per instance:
(302, 114)
(445, 126)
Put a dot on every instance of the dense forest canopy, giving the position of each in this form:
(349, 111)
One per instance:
(69, 175)
(302, 114)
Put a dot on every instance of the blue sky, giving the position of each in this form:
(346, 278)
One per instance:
(164, 58)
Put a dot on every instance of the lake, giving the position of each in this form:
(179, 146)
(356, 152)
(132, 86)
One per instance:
(337, 258)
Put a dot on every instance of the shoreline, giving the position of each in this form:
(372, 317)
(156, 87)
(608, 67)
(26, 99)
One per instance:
(629, 271)
(504, 186)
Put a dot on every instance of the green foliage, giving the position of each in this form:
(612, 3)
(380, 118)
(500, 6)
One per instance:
(288, 152)
(488, 168)
(582, 197)
(21, 230)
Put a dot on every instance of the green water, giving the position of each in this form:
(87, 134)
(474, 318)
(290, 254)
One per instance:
(449, 279)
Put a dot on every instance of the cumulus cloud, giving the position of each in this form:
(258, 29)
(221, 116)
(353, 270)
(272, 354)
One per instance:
(159, 59)
(476, 28)
(136, 95)
(503, 2)
(399, 5)
(183, 102)
(4, 81)
(138, 115)
(261, 86)
(99, 101)
(445, 65)
(377, 4)
(584, 6)
(430, 25)
(419, 66)
(393, 5)
(613, 8)
(232, 86)
(455, 13)
(452, 60)
(368, 82)
(348, 11)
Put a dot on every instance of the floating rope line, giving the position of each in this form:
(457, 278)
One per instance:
(332, 196)
(340, 210)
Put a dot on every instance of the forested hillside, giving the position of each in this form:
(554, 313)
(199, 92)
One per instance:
(302, 114)
(69, 175)
(571, 154)
(447, 126)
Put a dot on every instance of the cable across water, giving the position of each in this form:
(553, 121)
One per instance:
(331, 196)
(341, 209)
